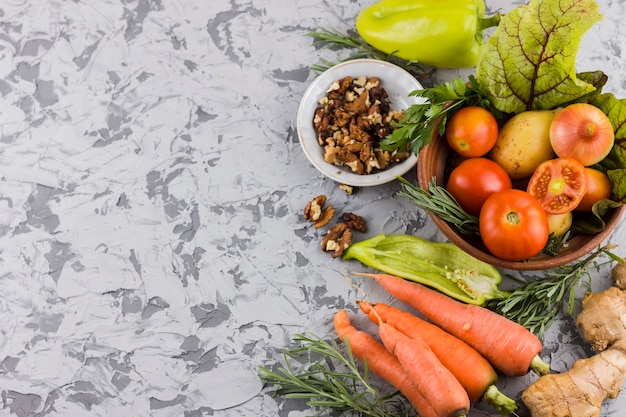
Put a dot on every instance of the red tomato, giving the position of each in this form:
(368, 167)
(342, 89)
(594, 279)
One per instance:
(513, 225)
(472, 131)
(583, 132)
(558, 184)
(598, 188)
(474, 180)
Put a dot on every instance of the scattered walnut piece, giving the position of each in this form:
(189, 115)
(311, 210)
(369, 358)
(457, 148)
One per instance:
(355, 222)
(327, 215)
(337, 240)
(313, 210)
(347, 188)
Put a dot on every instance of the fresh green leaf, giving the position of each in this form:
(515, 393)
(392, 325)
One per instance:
(593, 222)
(529, 61)
(597, 79)
(618, 181)
(416, 128)
(615, 109)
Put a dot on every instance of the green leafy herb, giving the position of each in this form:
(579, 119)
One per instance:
(529, 61)
(439, 201)
(593, 222)
(536, 304)
(332, 38)
(333, 381)
(556, 244)
(615, 164)
(416, 128)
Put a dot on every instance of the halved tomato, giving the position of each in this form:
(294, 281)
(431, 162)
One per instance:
(558, 184)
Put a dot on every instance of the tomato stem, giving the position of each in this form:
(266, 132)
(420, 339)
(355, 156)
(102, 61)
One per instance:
(512, 217)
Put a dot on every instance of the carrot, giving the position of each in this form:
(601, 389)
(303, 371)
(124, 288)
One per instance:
(469, 367)
(436, 383)
(473, 371)
(509, 347)
(366, 349)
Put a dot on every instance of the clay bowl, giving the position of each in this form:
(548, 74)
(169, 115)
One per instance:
(434, 159)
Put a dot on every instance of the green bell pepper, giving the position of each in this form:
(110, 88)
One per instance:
(440, 33)
(442, 266)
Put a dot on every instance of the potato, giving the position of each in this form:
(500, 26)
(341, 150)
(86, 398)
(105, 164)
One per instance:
(523, 143)
(560, 223)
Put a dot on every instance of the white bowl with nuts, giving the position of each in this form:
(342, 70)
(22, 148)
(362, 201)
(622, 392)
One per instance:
(346, 111)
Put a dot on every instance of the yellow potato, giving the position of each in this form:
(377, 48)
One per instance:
(523, 143)
(560, 223)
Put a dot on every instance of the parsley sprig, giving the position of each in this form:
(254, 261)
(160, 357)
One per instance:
(332, 380)
(416, 128)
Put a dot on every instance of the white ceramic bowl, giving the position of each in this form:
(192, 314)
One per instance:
(396, 81)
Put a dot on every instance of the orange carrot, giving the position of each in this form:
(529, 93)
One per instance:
(472, 370)
(436, 383)
(366, 349)
(509, 347)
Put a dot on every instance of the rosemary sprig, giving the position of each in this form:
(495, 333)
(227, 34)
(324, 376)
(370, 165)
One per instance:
(334, 39)
(416, 128)
(536, 304)
(439, 201)
(332, 382)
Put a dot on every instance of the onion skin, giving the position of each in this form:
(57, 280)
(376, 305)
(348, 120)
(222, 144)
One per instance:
(583, 132)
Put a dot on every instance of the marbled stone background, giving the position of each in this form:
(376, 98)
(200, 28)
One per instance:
(152, 249)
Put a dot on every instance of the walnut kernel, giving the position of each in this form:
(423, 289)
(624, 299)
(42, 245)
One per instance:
(327, 215)
(337, 240)
(313, 210)
(351, 120)
(354, 221)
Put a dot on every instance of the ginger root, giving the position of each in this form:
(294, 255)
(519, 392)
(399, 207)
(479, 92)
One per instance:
(580, 391)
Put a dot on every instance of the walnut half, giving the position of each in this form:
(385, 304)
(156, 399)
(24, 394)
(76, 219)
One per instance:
(355, 222)
(317, 213)
(313, 210)
(337, 240)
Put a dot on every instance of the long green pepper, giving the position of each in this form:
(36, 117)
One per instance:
(440, 33)
(440, 265)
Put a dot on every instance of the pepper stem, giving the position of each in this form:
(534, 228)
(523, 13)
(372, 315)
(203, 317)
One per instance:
(496, 399)
(487, 22)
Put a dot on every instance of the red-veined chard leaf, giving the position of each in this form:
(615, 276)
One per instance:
(529, 61)
(615, 164)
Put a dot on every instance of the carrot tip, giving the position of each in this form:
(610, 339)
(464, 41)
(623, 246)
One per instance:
(363, 274)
